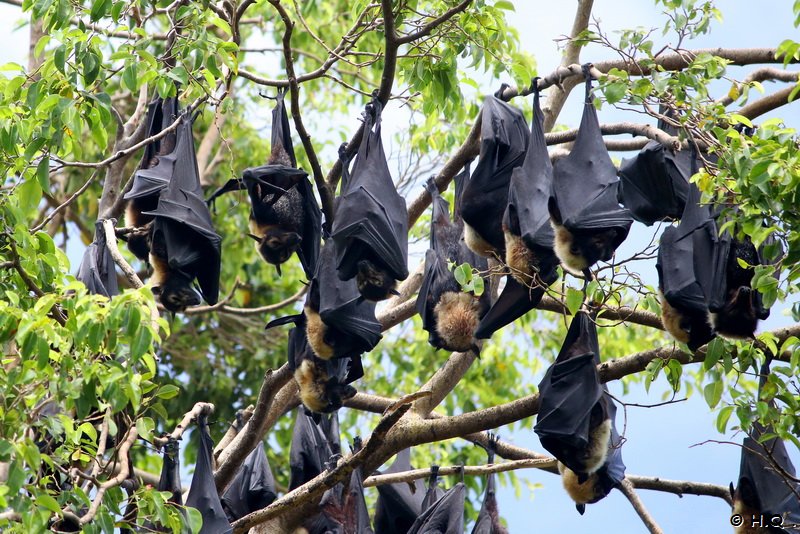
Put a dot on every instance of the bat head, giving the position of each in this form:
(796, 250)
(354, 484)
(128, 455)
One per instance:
(738, 318)
(176, 293)
(374, 283)
(276, 246)
(336, 393)
(588, 247)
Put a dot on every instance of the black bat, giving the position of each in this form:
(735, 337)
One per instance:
(183, 243)
(488, 521)
(152, 175)
(734, 306)
(527, 232)
(654, 184)
(767, 484)
(313, 444)
(685, 253)
(370, 225)
(170, 479)
(97, 270)
(575, 420)
(285, 217)
(443, 514)
(504, 138)
(344, 507)
(588, 221)
(252, 489)
(449, 314)
(398, 506)
(203, 492)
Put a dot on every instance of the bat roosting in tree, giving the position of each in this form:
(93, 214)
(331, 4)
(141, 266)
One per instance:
(370, 226)
(588, 221)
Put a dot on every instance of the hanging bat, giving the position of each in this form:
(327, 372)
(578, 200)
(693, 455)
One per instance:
(588, 222)
(370, 226)
(767, 484)
(442, 514)
(313, 444)
(654, 184)
(527, 232)
(152, 176)
(488, 521)
(576, 418)
(203, 492)
(285, 217)
(97, 270)
(449, 314)
(324, 384)
(398, 506)
(183, 243)
(734, 307)
(252, 489)
(685, 253)
(504, 138)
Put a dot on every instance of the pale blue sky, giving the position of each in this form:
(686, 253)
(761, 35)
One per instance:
(660, 440)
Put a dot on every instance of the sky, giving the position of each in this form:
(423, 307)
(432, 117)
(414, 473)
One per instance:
(661, 441)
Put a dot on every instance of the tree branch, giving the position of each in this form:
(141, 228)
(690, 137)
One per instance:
(426, 30)
(628, 490)
(768, 103)
(469, 470)
(200, 408)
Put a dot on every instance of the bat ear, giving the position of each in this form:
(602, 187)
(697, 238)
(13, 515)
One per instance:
(476, 349)
(581, 508)
(278, 268)
(552, 207)
(394, 292)
(253, 236)
(731, 489)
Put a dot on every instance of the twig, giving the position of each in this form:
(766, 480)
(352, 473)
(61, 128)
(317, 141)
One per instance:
(628, 490)
(200, 408)
(435, 23)
(66, 203)
(417, 474)
(55, 310)
(111, 243)
(269, 308)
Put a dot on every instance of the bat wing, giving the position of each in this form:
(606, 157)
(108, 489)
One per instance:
(252, 489)
(203, 492)
(585, 182)
(97, 270)
(341, 306)
(529, 191)
(309, 450)
(445, 516)
(170, 479)
(312, 228)
(234, 184)
(155, 168)
(515, 301)
(370, 215)
(612, 472)
(436, 275)
(485, 522)
(654, 185)
(568, 392)
(504, 139)
(281, 132)
(182, 216)
(398, 506)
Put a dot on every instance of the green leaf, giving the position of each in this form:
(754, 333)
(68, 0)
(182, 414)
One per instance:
(477, 284)
(713, 393)
(461, 272)
(574, 300)
(43, 173)
(168, 391)
(48, 502)
(715, 349)
(723, 417)
(504, 4)
(29, 194)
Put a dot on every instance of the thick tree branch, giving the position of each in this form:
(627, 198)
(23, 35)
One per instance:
(768, 103)
(200, 408)
(760, 75)
(469, 470)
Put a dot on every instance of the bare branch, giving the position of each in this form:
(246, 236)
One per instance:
(470, 470)
(200, 408)
(628, 490)
(768, 103)
(82, 189)
(260, 310)
(763, 74)
(435, 23)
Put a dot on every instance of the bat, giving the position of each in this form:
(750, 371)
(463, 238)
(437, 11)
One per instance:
(203, 492)
(170, 479)
(684, 251)
(527, 232)
(313, 444)
(252, 489)
(734, 307)
(324, 384)
(504, 138)
(96, 270)
(767, 484)
(152, 175)
(654, 184)
(588, 222)
(285, 217)
(575, 420)
(444, 514)
(488, 521)
(398, 506)
(370, 225)
(344, 506)
(449, 314)
(337, 321)
(183, 243)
